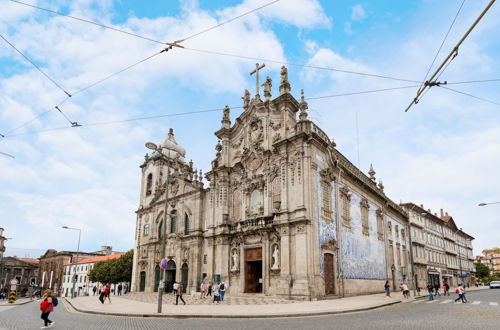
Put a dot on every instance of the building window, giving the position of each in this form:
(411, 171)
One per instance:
(204, 259)
(389, 228)
(380, 224)
(160, 229)
(145, 231)
(398, 251)
(364, 205)
(402, 234)
(173, 221)
(236, 205)
(345, 197)
(326, 202)
(396, 232)
(276, 189)
(255, 202)
(149, 184)
(186, 224)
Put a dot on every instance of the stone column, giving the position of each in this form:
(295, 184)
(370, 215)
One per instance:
(300, 283)
(266, 267)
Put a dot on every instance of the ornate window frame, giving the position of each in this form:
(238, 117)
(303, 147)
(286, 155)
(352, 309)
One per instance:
(345, 197)
(380, 224)
(365, 206)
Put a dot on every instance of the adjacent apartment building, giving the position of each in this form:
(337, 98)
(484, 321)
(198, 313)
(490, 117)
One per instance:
(78, 272)
(442, 252)
(52, 264)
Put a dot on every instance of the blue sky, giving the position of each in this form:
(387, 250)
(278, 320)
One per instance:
(444, 153)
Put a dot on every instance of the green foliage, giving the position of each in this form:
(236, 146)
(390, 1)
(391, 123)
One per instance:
(113, 270)
(481, 270)
(488, 279)
(495, 249)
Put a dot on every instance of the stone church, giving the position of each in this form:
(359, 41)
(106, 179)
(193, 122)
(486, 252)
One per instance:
(283, 214)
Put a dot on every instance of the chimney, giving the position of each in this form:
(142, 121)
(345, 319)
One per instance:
(446, 213)
(429, 210)
(422, 205)
(442, 214)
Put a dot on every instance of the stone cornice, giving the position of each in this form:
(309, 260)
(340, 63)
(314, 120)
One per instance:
(366, 182)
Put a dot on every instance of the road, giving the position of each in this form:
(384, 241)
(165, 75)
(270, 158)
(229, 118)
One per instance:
(481, 312)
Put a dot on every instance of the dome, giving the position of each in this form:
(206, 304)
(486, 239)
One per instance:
(170, 147)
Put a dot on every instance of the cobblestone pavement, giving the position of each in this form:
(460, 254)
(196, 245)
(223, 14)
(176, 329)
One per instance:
(191, 300)
(414, 316)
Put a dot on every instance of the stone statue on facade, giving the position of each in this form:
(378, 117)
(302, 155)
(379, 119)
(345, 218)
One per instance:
(246, 100)
(284, 84)
(267, 88)
(235, 258)
(276, 258)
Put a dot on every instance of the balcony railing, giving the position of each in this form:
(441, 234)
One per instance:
(421, 261)
(449, 236)
(450, 251)
(417, 240)
(417, 222)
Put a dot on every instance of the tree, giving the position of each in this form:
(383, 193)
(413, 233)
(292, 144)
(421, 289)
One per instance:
(481, 270)
(495, 249)
(113, 270)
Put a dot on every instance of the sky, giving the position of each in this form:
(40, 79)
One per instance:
(443, 153)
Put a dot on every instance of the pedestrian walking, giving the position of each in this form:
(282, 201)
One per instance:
(406, 290)
(461, 294)
(216, 291)
(175, 287)
(47, 307)
(94, 290)
(203, 289)
(107, 293)
(210, 289)
(178, 294)
(430, 288)
(120, 287)
(446, 289)
(387, 289)
(222, 289)
(436, 293)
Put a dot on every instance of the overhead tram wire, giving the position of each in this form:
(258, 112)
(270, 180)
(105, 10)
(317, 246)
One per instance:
(113, 122)
(470, 95)
(36, 66)
(215, 52)
(442, 43)
(229, 20)
(432, 81)
(169, 47)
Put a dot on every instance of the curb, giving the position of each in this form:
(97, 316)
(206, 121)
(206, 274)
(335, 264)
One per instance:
(18, 304)
(239, 316)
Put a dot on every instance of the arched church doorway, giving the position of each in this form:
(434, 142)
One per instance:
(329, 273)
(170, 276)
(157, 278)
(184, 276)
(253, 270)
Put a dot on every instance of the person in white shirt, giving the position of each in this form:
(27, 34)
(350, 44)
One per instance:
(176, 286)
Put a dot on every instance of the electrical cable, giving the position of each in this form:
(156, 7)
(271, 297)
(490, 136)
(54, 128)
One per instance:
(470, 95)
(215, 52)
(229, 20)
(472, 81)
(299, 65)
(442, 43)
(36, 66)
(197, 112)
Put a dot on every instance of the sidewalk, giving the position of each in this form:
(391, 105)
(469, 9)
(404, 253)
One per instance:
(127, 307)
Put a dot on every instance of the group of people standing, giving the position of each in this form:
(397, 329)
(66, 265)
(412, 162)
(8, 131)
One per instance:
(432, 289)
(218, 290)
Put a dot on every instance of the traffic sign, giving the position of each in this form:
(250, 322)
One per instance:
(14, 281)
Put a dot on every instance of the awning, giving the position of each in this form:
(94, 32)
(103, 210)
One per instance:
(433, 272)
(447, 275)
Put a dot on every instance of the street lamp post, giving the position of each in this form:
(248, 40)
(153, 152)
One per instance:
(459, 255)
(161, 286)
(77, 252)
(484, 204)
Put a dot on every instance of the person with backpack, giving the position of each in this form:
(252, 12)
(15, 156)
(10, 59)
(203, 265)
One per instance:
(107, 292)
(461, 296)
(222, 289)
(210, 288)
(46, 307)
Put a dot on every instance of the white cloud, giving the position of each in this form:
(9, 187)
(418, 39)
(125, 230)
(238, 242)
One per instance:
(358, 13)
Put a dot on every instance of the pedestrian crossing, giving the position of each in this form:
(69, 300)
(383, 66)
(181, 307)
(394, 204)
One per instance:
(447, 301)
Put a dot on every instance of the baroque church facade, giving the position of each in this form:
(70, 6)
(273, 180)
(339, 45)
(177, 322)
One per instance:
(284, 214)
